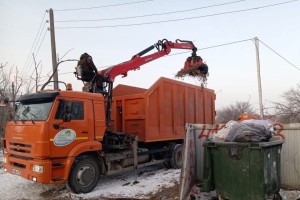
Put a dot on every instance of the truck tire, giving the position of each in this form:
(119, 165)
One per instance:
(84, 175)
(167, 164)
(176, 159)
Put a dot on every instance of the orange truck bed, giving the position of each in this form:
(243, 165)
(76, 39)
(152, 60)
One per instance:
(161, 112)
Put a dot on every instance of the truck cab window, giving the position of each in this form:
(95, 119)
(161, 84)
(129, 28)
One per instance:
(77, 110)
(28, 111)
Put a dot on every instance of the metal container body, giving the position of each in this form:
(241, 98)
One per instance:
(161, 112)
(245, 171)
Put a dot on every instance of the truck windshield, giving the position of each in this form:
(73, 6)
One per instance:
(37, 111)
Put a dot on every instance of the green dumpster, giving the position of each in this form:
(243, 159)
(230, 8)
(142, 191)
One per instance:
(243, 171)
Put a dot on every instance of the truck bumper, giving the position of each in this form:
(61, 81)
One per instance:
(50, 173)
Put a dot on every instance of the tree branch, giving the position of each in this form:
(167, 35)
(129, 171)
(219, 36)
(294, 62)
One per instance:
(55, 70)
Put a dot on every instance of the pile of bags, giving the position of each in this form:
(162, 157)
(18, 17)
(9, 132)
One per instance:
(246, 131)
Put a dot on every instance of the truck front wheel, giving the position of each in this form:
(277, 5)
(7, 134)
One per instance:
(84, 175)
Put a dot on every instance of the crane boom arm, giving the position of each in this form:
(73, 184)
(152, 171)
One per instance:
(87, 71)
(164, 48)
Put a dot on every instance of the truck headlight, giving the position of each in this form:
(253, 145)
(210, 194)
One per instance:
(4, 160)
(38, 168)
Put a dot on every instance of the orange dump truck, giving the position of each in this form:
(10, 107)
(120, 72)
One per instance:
(75, 137)
(44, 147)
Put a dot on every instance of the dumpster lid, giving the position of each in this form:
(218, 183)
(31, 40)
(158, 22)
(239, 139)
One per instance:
(250, 144)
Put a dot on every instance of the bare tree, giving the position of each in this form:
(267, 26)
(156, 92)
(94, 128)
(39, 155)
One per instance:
(4, 92)
(289, 110)
(49, 80)
(233, 111)
(34, 77)
(10, 87)
(18, 82)
(56, 68)
(4, 80)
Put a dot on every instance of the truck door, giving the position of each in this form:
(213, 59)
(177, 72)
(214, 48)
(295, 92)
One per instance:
(71, 123)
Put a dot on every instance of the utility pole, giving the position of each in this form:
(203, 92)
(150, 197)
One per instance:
(256, 42)
(53, 49)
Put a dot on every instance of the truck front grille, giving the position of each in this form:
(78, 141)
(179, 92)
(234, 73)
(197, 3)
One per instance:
(19, 147)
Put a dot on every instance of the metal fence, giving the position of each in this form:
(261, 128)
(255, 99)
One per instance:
(290, 156)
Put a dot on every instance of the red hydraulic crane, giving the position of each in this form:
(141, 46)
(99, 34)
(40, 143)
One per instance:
(102, 81)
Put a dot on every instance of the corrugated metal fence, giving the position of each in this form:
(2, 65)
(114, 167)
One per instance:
(290, 156)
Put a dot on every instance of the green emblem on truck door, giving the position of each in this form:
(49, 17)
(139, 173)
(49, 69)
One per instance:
(64, 137)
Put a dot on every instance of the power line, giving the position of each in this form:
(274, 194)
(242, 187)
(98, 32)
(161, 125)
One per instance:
(39, 38)
(41, 42)
(225, 44)
(95, 7)
(37, 52)
(239, 41)
(180, 19)
(66, 73)
(280, 55)
(215, 46)
(39, 29)
(47, 76)
(151, 15)
(37, 45)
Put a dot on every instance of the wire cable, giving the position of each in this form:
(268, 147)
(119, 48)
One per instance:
(151, 15)
(36, 36)
(225, 44)
(37, 45)
(279, 55)
(39, 37)
(210, 47)
(179, 19)
(37, 52)
(41, 42)
(96, 7)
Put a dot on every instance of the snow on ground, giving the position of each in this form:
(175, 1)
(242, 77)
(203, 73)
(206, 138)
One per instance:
(14, 187)
(290, 194)
(150, 181)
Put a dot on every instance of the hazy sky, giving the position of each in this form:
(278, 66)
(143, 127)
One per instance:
(232, 68)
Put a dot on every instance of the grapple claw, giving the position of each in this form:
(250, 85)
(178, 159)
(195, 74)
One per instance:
(193, 62)
(194, 67)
